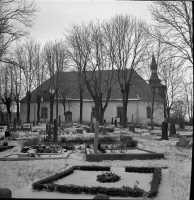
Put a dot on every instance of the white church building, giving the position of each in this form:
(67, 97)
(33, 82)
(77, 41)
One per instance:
(139, 101)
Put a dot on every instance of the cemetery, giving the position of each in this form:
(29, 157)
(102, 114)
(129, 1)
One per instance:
(137, 169)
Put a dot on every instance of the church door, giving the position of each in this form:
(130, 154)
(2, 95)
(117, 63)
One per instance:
(68, 116)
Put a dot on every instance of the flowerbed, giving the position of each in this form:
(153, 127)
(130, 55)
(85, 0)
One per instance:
(125, 191)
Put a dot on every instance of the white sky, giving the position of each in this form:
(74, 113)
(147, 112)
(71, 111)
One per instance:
(56, 15)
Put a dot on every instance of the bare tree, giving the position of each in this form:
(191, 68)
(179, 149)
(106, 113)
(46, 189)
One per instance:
(16, 16)
(130, 44)
(175, 25)
(78, 56)
(6, 92)
(55, 58)
(187, 93)
(26, 59)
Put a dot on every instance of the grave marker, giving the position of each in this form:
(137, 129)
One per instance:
(115, 123)
(183, 141)
(164, 131)
(112, 121)
(172, 129)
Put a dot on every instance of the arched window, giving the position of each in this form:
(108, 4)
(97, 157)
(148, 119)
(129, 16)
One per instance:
(148, 112)
(44, 112)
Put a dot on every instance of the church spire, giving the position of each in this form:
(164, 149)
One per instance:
(154, 80)
(153, 65)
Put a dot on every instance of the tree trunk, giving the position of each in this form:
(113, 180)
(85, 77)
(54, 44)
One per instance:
(51, 108)
(8, 106)
(28, 98)
(168, 114)
(18, 111)
(97, 110)
(81, 105)
(125, 95)
(57, 105)
(38, 108)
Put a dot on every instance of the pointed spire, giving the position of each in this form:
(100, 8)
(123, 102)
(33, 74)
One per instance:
(153, 65)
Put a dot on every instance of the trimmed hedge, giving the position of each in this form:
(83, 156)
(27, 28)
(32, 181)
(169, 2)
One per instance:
(157, 175)
(82, 140)
(156, 180)
(48, 183)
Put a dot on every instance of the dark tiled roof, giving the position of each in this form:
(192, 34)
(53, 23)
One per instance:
(139, 89)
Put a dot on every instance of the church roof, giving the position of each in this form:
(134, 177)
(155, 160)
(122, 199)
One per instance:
(68, 82)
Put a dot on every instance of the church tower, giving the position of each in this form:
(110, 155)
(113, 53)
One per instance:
(154, 81)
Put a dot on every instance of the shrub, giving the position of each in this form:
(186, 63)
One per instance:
(125, 138)
(68, 147)
(131, 143)
(108, 177)
(5, 144)
(31, 142)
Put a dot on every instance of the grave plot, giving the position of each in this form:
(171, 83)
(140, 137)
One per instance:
(39, 156)
(112, 181)
(126, 150)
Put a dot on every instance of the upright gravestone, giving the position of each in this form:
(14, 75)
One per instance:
(5, 193)
(55, 131)
(49, 132)
(59, 120)
(183, 141)
(104, 121)
(164, 131)
(96, 137)
(172, 129)
(14, 124)
(115, 123)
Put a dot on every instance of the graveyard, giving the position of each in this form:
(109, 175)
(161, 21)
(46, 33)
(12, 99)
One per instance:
(43, 164)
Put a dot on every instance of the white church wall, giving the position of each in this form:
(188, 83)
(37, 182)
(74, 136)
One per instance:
(135, 108)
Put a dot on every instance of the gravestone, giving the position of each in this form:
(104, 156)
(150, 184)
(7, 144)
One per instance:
(5, 193)
(14, 124)
(104, 121)
(49, 132)
(183, 141)
(164, 131)
(112, 121)
(115, 123)
(172, 129)
(55, 131)
(96, 137)
(101, 196)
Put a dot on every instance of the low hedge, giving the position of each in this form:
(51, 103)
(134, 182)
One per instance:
(156, 180)
(82, 140)
(49, 185)
(157, 175)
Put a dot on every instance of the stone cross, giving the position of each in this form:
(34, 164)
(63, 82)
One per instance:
(55, 131)
(96, 137)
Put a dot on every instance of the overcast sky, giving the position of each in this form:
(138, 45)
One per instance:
(56, 15)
